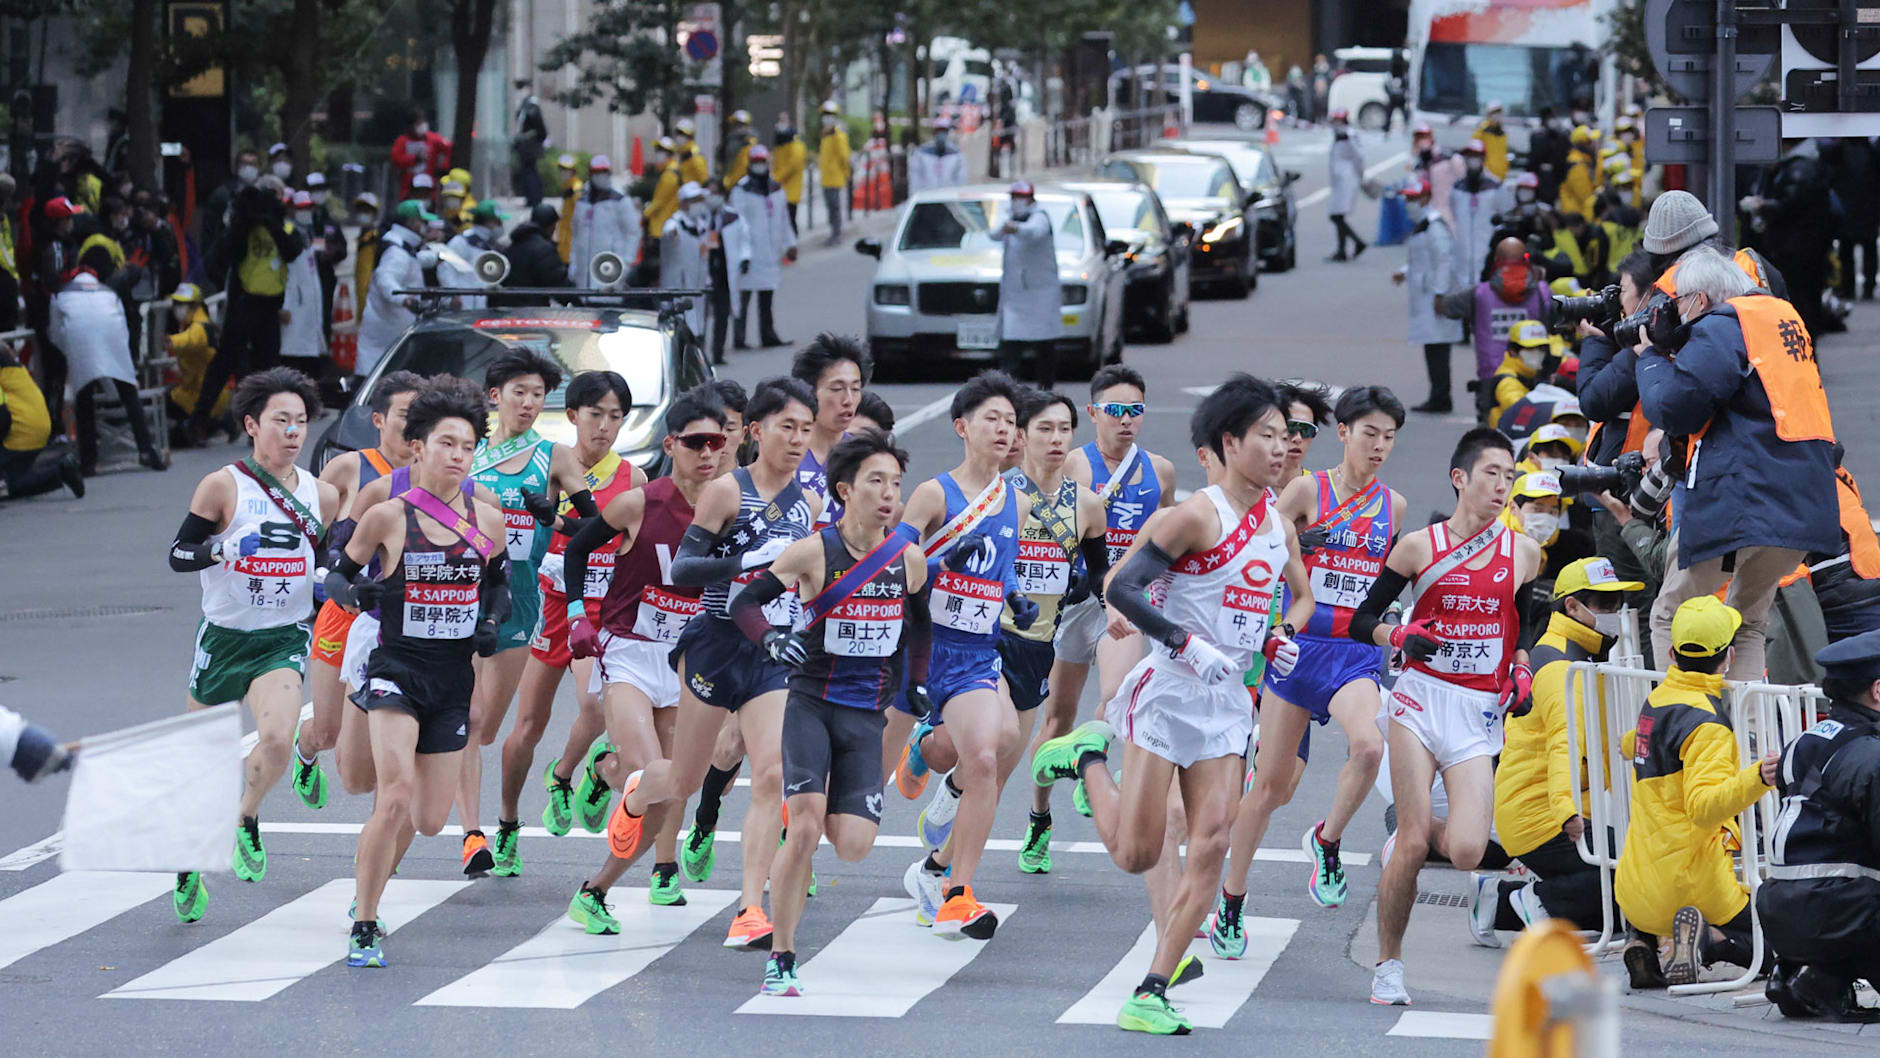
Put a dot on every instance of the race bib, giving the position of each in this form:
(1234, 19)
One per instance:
(1042, 568)
(778, 611)
(662, 615)
(519, 534)
(1119, 541)
(271, 582)
(863, 628)
(1241, 622)
(600, 574)
(440, 611)
(1468, 657)
(966, 603)
(1335, 587)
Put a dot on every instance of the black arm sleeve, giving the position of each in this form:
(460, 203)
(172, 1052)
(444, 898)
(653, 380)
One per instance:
(694, 566)
(338, 536)
(339, 581)
(594, 533)
(1132, 601)
(1384, 591)
(584, 505)
(917, 621)
(1096, 555)
(748, 609)
(494, 589)
(190, 551)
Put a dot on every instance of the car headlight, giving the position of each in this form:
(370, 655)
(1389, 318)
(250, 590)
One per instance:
(893, 294)
(1075, 293)
(1224, 230)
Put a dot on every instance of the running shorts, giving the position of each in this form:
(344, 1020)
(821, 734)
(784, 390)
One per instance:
(1027, 667)
(361, 640)
(549, 645)
(329, 633)
(1165, 709)
(443, 715)
(1080, 629)
(525, 608)
(1453, 723)
(1324, 668)
(227, 661)
(639, 663)
(722, 667)
(957, 668)
(835, 750)
(1253, 745)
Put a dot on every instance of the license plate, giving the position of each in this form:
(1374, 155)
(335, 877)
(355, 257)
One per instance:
(983, 335)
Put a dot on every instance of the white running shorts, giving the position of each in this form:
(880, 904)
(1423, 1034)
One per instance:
(1164, 709)
(1454, 724)
(361, 640)
(1079, 632)
(638, 662)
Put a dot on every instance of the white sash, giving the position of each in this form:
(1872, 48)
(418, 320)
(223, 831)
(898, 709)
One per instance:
(990, 498)
(1449, 561)
(1109, 489)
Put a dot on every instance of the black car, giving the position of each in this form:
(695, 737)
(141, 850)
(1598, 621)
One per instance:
(1202, 191)
(1270, 190)
(1215, 101)
(1157, 259)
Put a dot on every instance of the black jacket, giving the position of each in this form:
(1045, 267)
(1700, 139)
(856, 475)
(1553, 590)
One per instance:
(534, 261)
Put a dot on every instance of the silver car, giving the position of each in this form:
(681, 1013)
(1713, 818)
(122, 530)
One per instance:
(936, 291)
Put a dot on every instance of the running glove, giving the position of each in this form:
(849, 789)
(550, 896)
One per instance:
(583, 640)
(1281, 650)
(485, 639)
(1024, 611)
(230, 550)
(972, 551)
(1208, 662)
(919, 701)
(539, 506)
(766, 553)
(1312, 539)
(1517, 691)
(785, 648)
(1416, 640)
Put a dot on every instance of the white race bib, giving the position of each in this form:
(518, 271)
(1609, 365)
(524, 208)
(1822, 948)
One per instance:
(663, 615)
(519, 532)
(863, 628)
(440, 611)
(1042, 568)
(269, 583)
(1468, 657)
(1241, 623)
(1330, 587)
(966, 603)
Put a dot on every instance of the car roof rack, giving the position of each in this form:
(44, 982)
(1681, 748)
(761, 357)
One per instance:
(567, 295)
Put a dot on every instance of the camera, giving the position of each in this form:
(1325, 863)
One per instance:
(1627, 332)
(1619, 479)
(1599, 309)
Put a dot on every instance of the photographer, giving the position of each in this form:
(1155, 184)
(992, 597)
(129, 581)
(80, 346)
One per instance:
(1640, 530)
(1731, 377)
(1847, 583)
(251, 263)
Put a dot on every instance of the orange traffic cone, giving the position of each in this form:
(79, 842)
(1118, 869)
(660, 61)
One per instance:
(636, 164)
(1170, 127)
(345, 345)
(1273, 118)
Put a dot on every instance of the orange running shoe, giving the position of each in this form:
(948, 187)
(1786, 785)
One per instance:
(477, 858)
(623, 830)
(910, 776)
(963, 916)
(750, 930)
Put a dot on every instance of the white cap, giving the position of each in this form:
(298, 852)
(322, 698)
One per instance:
(279, 148)
(423, 180)
(600, 163)
(316, 180)
(690, 190)
(565, 161)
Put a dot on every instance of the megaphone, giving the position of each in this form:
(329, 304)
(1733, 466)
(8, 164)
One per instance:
(607, 269)
(491, 268)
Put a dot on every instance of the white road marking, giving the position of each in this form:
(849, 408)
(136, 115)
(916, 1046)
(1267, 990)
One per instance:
(287, 944)
(57, 910)
(924, 413)
(878, 967)
(1324, 193)
(563, 967)
(1436, 1024)
(1209, 1002)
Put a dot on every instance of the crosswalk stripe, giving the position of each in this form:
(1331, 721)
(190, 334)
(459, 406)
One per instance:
(1209, 1002)
(563, 967)
(879, 967)
(1438, 1024)
(287, 944)
(65, 906)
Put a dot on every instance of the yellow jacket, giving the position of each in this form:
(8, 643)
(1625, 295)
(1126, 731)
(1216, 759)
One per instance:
(7, 254)
(1687, 786)
(741, 162)
(1621, 239)
(365, 259)
(193, 351)
(1582, 180)
(1512, 381)
(693, 169)
(787, 162)
(832, 157)
(1494, 151)
(1535, 781)
(564, 228)
(665, 200)
(20, 396)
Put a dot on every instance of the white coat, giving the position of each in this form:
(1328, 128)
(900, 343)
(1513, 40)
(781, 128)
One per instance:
(386, 318)
(88, 325)
(304, 333)
(683, 265)
(1031, 300)
(604, 222)
(1429, 271)
(1474, 214)
(761, 236)
(927, 168)
(1347, 174)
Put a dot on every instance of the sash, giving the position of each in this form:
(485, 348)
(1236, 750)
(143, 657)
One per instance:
(289, 504)
(456, 523)
(1345, 513)
(489, 455)
(1048, 514)
(1450, 560)
(838, 591)
(377, 459)
(976, 511)
(1108, 490)
(597, 475)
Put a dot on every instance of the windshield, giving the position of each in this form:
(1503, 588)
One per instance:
(637, 353)
(965, 223)
(1190, 178)
(1254, 165)
(1126, 209)
(1461, 78)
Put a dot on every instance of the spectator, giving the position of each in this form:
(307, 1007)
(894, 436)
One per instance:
(423, 190)
(57, 257)
(693, 168)
(9, 259)
(1030, 319)
(1619, 220)
(1514, 289)
(1322, 75)
(605, 221)
(215, 211)
(1731, 377)
(1579, 250)
(452, 196)
(303, 330)
(534, 263)
(737, 146)
(1675, 873)
(365, 216)
(388, 312)
(151, 244)
(788, 160)
(570, 198)
(1494, 140)
(1607, 384)
(529, 139)
(1794, 224)
(1548, 148)
(1581, 176)
(1847, 583)
(683, 263)
(281, 162)
(88, 323)
(832, 164)
(1854, 173)
(666, 181)
(1428, 270)
(758, 247)
(1472, 201)
(28, 461)
(1438, 168)
(1524, 363)
(419, 150)
(721, 223)
(1397, 88)
(1254, 74)
(937, 164)
(1305, 104)
(253, 258)
(483, 235)
(328, 243)
(1347, 174)
(191, 342)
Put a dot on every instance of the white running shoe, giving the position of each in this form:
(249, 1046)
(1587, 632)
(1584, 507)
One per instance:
(1527, 904)
(1387, 985)
(927, 889)
(936, 820)
(1482, 909)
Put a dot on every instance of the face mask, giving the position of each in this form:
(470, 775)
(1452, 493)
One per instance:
(602, 180)
(422, 128)
(365, 220)
(1608, 624)
(1549, 462)
(1514, 279)
(1524, 195)
(283, 169)
(319, 197)
(247, 174)
(180, 313)
(125, 189)
(1540, 527)
(1021, 210)
(760, 169)
(828, 122)
(1473, 164)
(452, 203)
(1578, 433)
(303, 217)
(698, 211)
(1533, 358)
(939, 140)
(1417, 210)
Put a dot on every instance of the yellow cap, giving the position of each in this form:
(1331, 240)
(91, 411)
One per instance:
(1703, 627)
(187, 293)
(1553, 432)
(1527, 333)
(461, 176)
(1535, 484)
(1567, 287)
(1591, 574)
(1583, 134)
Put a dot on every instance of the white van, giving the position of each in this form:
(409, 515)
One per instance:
(1360, 86)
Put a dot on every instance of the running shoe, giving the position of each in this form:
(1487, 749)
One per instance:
(750, 930)
(1226, 936)
(589, 910)
(591, 795)
(1057, 759)
(1035, 857)
(367, 946)
(1527, 905)
(1387, 985)
(936, 820)
(1189, 969)
(1151, 1012)
(1486, 894)
(1080, 799)
(508, 855)
(927, 889)
(811, 891)
(1327, 886)
(1686, 961)
(624, 832)
(251, 860)
(477, 861)
(191, 898)
(698, 853)
(309, 780)
(558, 815)
(780, 976)
(910, 776)
(665, 891)
(352, 915)
(1641, 964)
(963, 916)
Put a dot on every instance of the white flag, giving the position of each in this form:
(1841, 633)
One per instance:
(160, 796)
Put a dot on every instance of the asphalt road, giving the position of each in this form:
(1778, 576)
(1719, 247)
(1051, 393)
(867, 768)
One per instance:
(95, 635)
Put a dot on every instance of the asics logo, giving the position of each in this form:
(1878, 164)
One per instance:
(1501, 574)
(1404, 702)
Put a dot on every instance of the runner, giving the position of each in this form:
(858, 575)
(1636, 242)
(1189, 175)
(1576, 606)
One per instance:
(742, 523)
(968, 520)
(1463, 674)
(348, 472)
(445, 595)
(1209, 565)
(1347, 521)
(632, 629)
(597, 403)
(846, 668)
(872, 413)
(836, 368)
(253, 535)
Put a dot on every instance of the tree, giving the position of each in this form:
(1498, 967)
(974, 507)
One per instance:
(470, 24)
(626, 58)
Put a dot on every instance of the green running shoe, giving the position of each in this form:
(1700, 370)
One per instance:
(251, 860)
(1189, 969)
(1035, 857)
(665, 891)
(780, 976)
(698, 853)
(352, 915)
(1327, 886)
(592, 795)
(558, 816)
(367, 946)
(1152, 1013)
(589, 908)
(812, 885)
(309, 779)
(191, 898)
(1057, 759)
(508, 855)
(1080, 799)
(1225, 934)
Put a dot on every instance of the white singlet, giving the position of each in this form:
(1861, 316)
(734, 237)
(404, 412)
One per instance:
(274, 586)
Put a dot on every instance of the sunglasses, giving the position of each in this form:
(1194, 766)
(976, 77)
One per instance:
(1297, 428)
(701, 442)
(1117, 411)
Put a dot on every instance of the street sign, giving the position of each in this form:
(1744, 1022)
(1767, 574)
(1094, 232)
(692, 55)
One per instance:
(701, 45)
(1681, 135)
(766, 54)
(1681, 36)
